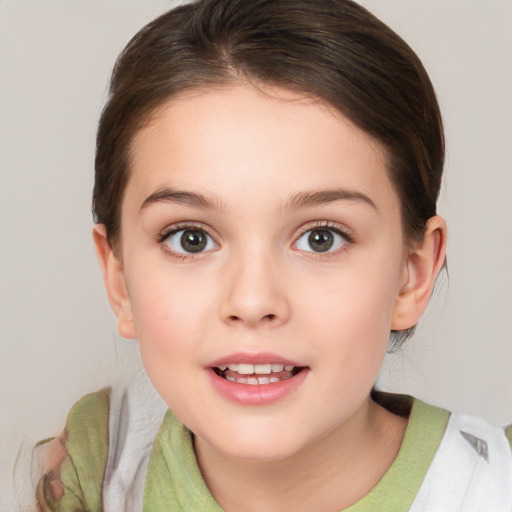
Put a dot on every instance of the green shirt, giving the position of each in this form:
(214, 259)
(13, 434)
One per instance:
(174, 482)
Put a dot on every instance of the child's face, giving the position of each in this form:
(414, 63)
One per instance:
(260, 230)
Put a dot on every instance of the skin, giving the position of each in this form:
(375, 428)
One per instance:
(260, 287)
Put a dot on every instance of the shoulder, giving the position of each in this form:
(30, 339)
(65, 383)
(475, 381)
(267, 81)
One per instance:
(474, 433)
(449, 461)
(88, 421)
(73, 463)
(100, 460)
(87, 433)
(471, 470)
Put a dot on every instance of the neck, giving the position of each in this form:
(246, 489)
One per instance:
(330, 474)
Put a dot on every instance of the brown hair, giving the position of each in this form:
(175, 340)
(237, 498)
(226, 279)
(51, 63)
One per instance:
(332, 49)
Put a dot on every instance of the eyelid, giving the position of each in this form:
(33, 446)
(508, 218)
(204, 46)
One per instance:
(339, 229)
(164, 235)
(183, 226)
(328, 225)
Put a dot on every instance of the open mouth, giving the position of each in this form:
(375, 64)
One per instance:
(256, 374)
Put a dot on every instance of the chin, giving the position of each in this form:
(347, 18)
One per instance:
(257, 445)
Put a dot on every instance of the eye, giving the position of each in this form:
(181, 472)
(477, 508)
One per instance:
(189, 241)
(322, 239)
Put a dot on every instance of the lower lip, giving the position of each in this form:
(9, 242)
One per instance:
(257, 394)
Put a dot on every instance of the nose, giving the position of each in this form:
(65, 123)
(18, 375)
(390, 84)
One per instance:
(254, 293)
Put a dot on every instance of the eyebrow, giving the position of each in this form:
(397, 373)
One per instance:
(184, 197)
(316, 198)
(295, 202)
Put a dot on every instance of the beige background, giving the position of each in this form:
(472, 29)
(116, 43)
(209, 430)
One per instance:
(57, 335)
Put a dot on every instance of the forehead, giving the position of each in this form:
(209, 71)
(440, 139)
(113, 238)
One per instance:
(243, 140)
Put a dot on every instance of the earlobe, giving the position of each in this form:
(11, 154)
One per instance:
(423, 264)
(115, 285)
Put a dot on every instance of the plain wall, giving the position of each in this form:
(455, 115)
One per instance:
(57, 335)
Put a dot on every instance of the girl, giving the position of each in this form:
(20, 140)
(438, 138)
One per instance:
(265, 203)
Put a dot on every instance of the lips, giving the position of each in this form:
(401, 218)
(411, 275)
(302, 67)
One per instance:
(249, 379)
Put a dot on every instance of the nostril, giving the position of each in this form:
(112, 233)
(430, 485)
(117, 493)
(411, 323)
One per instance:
(266, 318)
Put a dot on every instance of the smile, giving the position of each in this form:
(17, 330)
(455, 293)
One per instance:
(260, 379)
(256, 374)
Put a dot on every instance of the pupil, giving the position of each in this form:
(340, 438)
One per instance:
(321, 240)
(193, 241)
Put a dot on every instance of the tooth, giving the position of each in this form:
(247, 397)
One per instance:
(258, 369)
(263, 380)
(252, 380)
(232, 379)
(244, 369)
(241, 381)
(274, 379)
(262, 369)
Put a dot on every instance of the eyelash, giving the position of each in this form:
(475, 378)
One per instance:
(327, 226)
(164, 236)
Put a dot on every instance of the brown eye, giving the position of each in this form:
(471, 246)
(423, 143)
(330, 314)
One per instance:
(189, 241)
(193, 241)
(321, 240)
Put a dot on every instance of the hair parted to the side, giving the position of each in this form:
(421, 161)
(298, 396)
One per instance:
(334, 50)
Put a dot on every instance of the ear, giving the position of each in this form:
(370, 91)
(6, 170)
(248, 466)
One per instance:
(423, 264)
(113, 277)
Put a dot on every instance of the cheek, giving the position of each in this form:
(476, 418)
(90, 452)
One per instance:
(168, 306)
(170, 322)
(349, 319)
(359, 299)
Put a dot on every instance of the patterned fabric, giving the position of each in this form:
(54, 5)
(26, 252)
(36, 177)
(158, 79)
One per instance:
(76, 484)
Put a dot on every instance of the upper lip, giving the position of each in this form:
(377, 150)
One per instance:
(253, 358)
